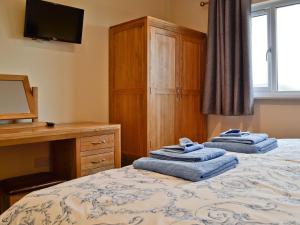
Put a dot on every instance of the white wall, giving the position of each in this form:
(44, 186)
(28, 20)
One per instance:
(72, 79)
(279, 118)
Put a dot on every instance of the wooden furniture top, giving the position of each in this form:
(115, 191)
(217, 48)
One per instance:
(14, 134)
(152, 21)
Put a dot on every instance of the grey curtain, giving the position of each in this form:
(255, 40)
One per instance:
(228, 82)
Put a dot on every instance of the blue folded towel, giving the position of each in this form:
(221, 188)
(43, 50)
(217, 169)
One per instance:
(261, 147)
(195, 156)
(194, 171)
(248, 139)
(183, 149)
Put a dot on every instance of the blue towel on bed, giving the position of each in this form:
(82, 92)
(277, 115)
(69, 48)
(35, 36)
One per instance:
(250, 139)
(261, 147)
(194, 171)
(195, 156)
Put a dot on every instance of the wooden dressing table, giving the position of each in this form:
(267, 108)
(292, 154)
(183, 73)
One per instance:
(76, 149)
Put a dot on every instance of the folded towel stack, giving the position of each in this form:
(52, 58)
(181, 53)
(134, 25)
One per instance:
(193, 171)
(245, 143)
(195, 165)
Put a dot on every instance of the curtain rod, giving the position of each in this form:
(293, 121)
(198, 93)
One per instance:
(202, 4)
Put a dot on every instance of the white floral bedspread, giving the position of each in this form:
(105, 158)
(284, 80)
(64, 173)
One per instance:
(263, 189)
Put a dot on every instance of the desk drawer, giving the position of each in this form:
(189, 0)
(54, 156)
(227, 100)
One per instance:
(96, 142)
(96, 151)
(97, 161)
(97, 170)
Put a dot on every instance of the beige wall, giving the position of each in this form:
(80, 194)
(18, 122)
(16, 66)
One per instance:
(72, 79)
(189, 13)
(279, 118)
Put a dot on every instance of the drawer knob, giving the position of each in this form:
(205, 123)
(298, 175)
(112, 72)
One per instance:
(99, 143)
(99, 161)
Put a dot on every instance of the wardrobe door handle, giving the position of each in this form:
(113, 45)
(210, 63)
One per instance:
(181, 93)
(177, 94)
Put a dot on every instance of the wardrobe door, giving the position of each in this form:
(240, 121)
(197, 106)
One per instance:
(164, 86)
(128, 92)
(191, 121)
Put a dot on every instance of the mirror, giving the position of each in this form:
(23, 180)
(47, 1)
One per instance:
(12, 97)
(16, 98)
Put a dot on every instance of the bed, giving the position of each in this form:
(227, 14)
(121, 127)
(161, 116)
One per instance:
(263, 189)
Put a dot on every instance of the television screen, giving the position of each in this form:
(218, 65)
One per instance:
(50, 21)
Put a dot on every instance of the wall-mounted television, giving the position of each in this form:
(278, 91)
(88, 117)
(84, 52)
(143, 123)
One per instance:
(50, 21)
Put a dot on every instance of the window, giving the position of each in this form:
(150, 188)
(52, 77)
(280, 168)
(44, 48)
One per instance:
(276, 48)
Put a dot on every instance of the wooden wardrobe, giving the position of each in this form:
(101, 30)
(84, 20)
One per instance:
(156, 78)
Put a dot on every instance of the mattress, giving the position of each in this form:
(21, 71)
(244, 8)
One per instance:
(263, 189)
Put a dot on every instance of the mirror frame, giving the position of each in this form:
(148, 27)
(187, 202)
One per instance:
(29, 96)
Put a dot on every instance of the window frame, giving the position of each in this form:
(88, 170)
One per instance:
(269, 8)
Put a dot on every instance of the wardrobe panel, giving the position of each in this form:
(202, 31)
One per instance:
(128, 111)
(191, 63)
(129, 58)
(189, 119)
(162, 116)
(164, 59)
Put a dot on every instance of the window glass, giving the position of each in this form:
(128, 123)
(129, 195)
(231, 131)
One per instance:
(288, 48)
(259, 51)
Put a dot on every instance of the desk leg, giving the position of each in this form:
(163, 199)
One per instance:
(117, 148)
